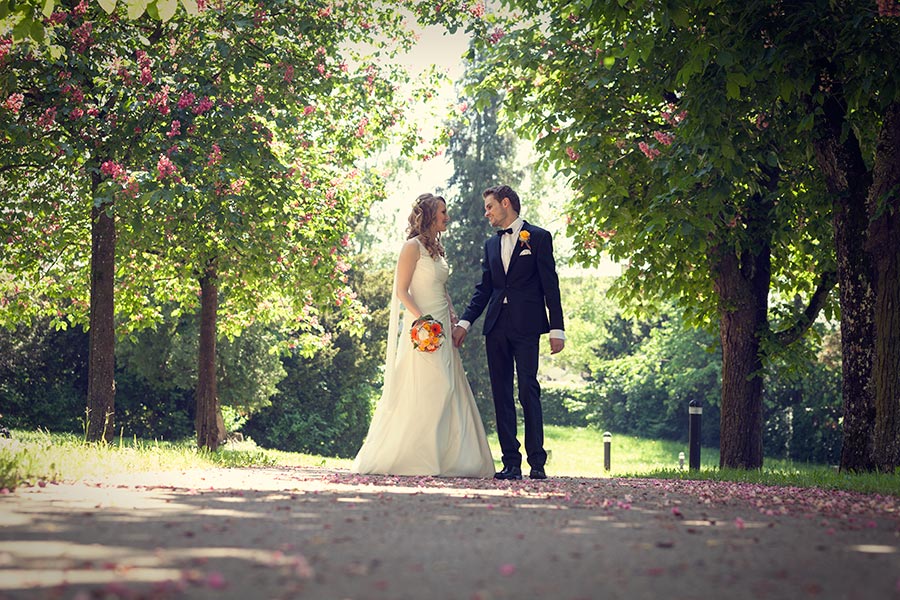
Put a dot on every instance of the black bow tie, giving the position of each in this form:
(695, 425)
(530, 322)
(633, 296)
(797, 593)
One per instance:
(502, 231)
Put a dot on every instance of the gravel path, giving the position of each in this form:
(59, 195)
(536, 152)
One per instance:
(317, 533)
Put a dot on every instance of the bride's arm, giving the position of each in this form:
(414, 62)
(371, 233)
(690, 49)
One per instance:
(406, 266)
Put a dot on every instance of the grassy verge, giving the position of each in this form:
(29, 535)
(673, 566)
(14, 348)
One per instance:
(31, 457)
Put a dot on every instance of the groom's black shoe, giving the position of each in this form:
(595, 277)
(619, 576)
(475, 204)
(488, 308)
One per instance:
(538, 473)
(509, 473)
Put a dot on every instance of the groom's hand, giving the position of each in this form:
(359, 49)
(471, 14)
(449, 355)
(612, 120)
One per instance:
(556, 345)
(459, 335)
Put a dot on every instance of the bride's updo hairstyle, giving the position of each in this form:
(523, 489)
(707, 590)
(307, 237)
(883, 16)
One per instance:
(421, 223)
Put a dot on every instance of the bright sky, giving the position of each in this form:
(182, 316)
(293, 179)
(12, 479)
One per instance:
(444, 51)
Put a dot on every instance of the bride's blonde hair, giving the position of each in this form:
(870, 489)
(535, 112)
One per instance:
(421, 223)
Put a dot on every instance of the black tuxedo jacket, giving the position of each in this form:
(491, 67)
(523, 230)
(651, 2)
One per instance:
(530, 285)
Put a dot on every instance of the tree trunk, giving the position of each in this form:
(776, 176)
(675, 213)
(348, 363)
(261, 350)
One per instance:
(742, 285)
(102, 348)
(207, 395)
(848, 181)
(884, 247)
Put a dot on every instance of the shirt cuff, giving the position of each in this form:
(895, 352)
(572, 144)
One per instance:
(464, 324)
(557, 334)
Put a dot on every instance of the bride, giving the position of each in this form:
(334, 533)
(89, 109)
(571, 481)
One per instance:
(427, 422)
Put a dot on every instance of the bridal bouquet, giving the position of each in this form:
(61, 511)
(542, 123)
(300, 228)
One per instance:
(427, 334)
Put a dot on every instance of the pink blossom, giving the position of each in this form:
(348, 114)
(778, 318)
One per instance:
(258, 95)
(165, 167)
(320, 68)
(112, 169)
(361, 127)
(309, 109)
(75, 114)
(187, 100)
(888, 8)
(761, 122)
(289, 73)
(463, 107)
(477, 10)
(47, 119)
(649, 152)
(81, 8)
(5, 47)
(216, 581)
(496, 35)
(507, 570)
(203, 106)
(160, 100)
(215, 156)
(663, 138)
(573, 156)
(175, 129)
(237, 186)
(14, 103)
(324, 12)
(143, 59)
(82, 36)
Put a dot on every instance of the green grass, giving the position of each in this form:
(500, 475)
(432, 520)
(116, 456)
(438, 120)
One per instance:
(31, 457)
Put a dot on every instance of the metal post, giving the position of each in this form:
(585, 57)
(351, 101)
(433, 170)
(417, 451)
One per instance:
(607, 444)
(681, 460)
(695, 411)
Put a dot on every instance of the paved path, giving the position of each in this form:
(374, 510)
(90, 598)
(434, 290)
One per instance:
(315, 533)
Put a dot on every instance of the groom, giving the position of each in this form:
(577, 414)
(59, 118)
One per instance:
(519, 287)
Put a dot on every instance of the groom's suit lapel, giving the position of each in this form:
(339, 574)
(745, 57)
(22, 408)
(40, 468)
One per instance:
(496, 256)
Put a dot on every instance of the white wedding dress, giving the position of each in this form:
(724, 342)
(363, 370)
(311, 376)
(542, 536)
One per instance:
(426, 422)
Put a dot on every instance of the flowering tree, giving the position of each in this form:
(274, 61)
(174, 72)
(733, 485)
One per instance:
(216, 151)
(25, 19)
(688, 131)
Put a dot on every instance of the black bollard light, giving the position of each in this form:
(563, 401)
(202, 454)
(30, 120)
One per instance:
(607, 444)
(695, 411)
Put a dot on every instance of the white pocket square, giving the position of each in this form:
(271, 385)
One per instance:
(524, 252)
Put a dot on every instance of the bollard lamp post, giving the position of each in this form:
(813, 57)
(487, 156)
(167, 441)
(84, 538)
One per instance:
(695, 411)
(607, 443)
(681, 460)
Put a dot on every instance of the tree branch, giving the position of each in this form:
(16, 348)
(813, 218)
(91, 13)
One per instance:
(804, 322)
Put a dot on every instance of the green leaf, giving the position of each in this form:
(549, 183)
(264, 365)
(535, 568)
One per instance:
(166, 9)
(37, 31)
(22, 30)
(108, 5)
(728, 150)
(47, 9)
(191, 7)
(733, 89)
(786, 89)
(136, 8)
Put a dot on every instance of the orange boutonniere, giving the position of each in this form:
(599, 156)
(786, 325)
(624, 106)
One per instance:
(524, 236)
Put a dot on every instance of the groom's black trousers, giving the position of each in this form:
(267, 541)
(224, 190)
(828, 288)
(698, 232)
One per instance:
(510, 352)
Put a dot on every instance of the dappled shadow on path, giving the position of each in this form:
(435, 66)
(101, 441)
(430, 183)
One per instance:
(316, 533)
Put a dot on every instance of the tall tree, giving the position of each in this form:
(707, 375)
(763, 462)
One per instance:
(810, 78)
(223, 145)
(482, 156)
(675, 172)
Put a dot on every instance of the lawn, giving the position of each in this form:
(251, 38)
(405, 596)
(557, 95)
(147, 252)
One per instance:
(29, 458)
